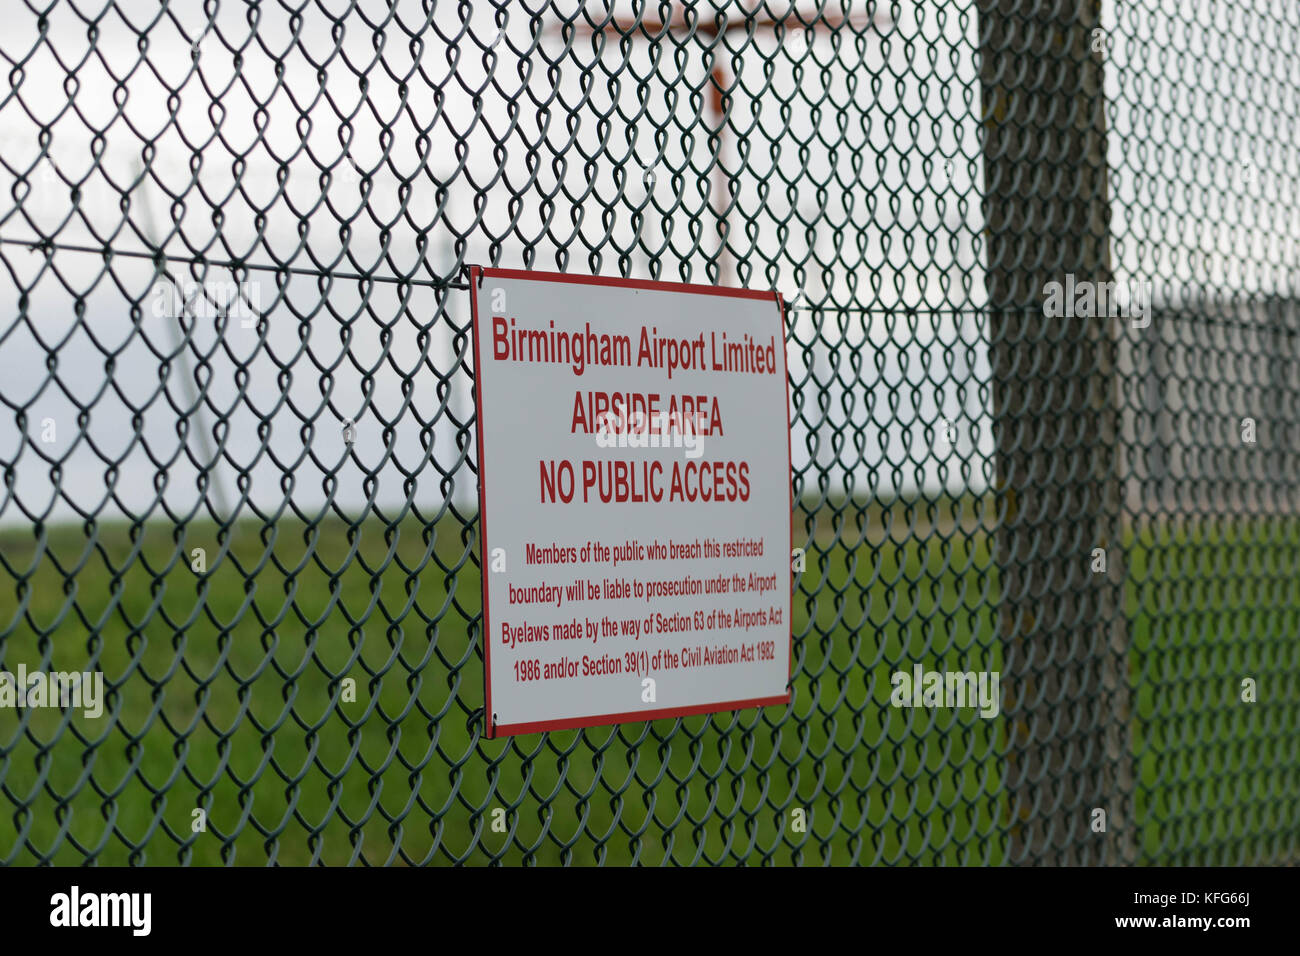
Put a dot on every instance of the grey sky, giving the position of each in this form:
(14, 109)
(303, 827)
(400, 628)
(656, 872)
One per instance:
(864, 258)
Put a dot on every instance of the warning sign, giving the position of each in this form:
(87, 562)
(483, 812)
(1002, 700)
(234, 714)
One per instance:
(634, 481)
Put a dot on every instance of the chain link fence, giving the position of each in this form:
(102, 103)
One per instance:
(1042, 265)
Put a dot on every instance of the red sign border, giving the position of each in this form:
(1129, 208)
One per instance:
(491, 728)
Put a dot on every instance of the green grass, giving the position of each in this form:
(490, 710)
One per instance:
(227, 698)
(1211, 603)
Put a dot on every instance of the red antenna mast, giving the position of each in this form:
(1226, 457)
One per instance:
(691, 20)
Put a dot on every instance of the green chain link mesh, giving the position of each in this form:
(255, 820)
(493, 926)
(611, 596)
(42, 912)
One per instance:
(236, 420)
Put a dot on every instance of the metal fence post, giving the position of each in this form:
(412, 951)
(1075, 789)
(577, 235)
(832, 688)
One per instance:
(1056, 431)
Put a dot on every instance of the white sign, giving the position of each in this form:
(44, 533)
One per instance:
(634, 484)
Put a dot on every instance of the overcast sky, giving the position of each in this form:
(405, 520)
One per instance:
(832, 161)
